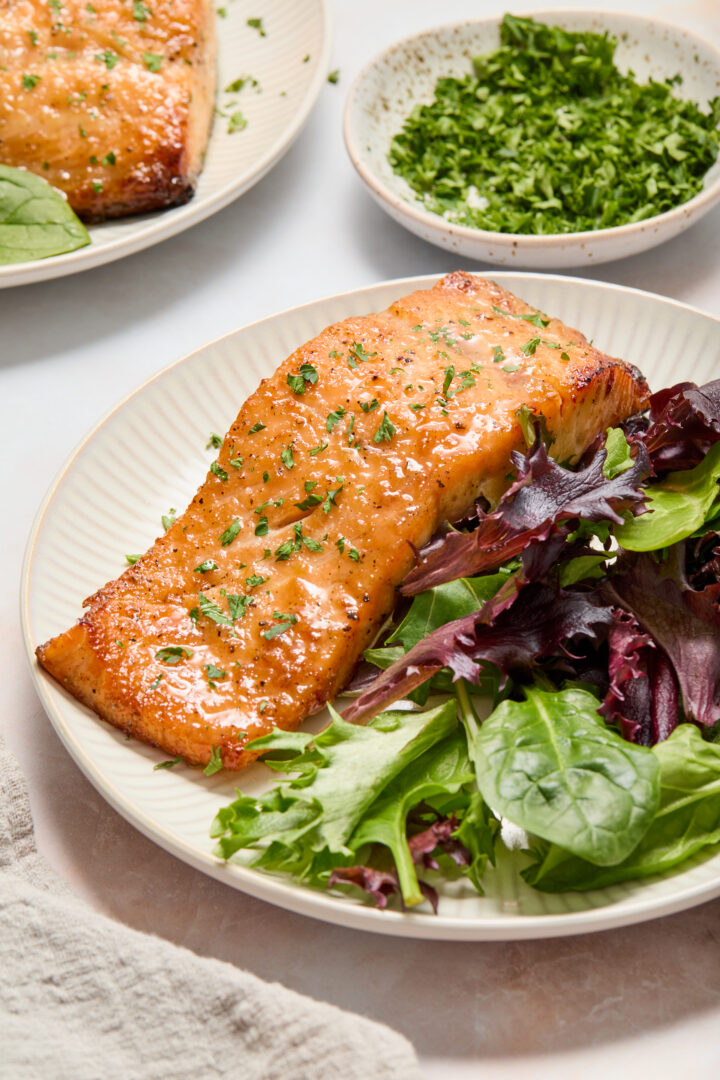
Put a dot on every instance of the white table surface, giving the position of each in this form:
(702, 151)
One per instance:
(643, 1001)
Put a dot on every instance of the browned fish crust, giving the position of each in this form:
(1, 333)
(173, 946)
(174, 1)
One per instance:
(286, 563)
(112, 103)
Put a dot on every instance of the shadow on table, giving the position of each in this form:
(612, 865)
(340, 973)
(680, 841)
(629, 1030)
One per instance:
(678, 268)
(451, 999)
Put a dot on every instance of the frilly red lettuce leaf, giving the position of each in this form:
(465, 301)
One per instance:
(684, 422)
(643, 692)
(684, 622)
(514, 640)
(380, 884)
(543, 495)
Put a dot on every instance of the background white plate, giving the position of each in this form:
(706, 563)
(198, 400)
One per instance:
(385, 92)
(149, 454)
(290, 86)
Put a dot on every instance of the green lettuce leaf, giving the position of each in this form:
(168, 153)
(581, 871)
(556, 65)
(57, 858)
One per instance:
(444, 769)
(687, 820)
(303, 826)
(677, 506)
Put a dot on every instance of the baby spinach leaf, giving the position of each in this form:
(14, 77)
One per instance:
(676, 507)
(552, 766)
(687, 820)
(443, 769)
(35, 219)
(339, 773)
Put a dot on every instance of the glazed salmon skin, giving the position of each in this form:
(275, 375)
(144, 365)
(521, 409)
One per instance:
(111, 102)
(253, 609)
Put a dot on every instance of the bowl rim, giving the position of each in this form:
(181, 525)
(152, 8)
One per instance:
(693, 208)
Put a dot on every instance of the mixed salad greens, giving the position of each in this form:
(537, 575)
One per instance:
(547, 136)
(581, 619)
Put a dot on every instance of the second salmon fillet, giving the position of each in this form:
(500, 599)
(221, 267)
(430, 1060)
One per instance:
(255, 606)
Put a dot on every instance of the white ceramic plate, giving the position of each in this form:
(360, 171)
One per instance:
(234, 162)
(149, 454)
(385, 92)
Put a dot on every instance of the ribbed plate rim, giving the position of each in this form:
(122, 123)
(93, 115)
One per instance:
(294, 897)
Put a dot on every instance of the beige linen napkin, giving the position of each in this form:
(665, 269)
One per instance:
(85, 998)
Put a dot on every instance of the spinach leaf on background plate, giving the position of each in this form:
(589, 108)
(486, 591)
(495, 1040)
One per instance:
(35, 219)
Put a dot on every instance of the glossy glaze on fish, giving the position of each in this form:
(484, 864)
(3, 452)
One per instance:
(279, 574)
(111, 102)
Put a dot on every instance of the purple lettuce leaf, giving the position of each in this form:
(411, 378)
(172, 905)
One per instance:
(380, 884)
(544, 495)
(643, 693)
(683, 622)
(514, 639)
(684, 422)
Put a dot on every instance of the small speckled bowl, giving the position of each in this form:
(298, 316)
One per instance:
(385, 92)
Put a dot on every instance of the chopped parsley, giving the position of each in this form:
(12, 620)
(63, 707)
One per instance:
(173, 654)
(227, 537)
(108, 58)
(215, 763)
(211, 611)
(132, 559)
(530, 346)
(254, 580)
(237, 121)
(546, 135)
(256, 427)
(205, 566)
(298, 540)
(334, 418)
(287, 457)
(169, 519)
(498, 355)
(218, 471)
(318, 449)
(284, 624)
(512, 367)
(334, 76)
(214, 442)
(357, 354)
(257, 24)
(262, 528)
(237, 462)
(541, 321)
(153, 61)
(310, 500)
(238, 605)
(386, 430)
(307, 375)
(449, 376)
(167, 764)
(341, 543)
(214, 675)
(141, 12)
(30, 81)
(331, 495)
(369, 406)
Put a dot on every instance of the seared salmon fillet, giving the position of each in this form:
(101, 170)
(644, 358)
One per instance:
(255, 606)
(111, 102)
